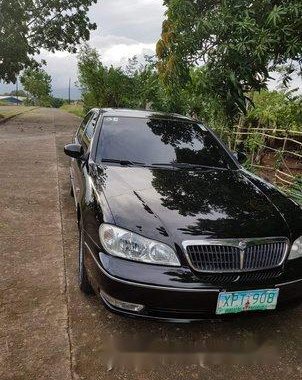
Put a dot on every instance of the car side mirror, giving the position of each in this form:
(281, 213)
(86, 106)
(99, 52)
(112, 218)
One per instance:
(74, 150)
(241, 157)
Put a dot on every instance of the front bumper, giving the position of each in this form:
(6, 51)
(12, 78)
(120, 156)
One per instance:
(171, 299)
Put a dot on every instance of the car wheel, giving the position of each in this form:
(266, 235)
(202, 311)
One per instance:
(84, 283)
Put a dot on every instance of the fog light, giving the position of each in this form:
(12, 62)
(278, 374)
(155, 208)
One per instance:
(121, 304)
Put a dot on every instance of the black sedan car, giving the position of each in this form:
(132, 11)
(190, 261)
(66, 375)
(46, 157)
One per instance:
(172, 226)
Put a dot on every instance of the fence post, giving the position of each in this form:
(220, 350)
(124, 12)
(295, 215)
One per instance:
(238, 137)
(281, 155)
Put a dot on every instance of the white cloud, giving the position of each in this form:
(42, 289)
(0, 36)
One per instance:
(116, 50)
(136, 19)
(125, 28)
(119, 54)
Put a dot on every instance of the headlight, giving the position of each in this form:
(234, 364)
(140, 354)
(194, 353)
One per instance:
(296, 251)
(128, 245)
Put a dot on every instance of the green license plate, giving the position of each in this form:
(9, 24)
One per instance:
(248, 300)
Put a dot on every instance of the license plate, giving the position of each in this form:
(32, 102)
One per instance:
(248, 300)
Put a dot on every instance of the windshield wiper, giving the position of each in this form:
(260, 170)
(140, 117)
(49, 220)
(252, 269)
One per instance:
(188, 166)
(123, 162)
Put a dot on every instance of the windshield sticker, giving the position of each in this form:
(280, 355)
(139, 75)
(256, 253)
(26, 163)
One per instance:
(112, 119)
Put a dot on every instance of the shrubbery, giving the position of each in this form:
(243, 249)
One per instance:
(276, 109)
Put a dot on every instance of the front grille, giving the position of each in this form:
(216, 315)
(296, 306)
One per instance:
(264, 256)
(231, 258)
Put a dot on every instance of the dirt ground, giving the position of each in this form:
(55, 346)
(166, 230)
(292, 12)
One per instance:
(49, 330)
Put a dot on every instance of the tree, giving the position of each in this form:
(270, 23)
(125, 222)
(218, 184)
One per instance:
(276, 109)
(136, 86)
(238, 41)
(38, 84)
(28, 26)
(145, 90)
(90, 78)
(57, 102)
(101, 86)
(204, 102)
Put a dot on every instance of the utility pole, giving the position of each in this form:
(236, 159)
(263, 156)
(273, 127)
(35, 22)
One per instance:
(17, 92)
(69, 90)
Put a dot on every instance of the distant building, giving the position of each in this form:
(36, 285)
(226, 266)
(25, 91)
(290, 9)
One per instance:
(12, 100)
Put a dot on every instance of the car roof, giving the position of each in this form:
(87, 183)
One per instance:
(125, 112)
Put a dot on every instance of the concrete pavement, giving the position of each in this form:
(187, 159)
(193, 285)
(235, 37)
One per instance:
(49, 330)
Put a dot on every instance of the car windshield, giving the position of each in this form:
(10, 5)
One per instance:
(127, 140)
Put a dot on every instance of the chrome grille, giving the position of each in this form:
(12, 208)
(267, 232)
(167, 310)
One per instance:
(214, 258)
(236, 255)
(264, 256)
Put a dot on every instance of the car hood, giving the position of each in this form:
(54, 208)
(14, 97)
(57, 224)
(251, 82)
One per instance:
(177, 205)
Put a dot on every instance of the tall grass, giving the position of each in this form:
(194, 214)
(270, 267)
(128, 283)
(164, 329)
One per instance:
(76, 109)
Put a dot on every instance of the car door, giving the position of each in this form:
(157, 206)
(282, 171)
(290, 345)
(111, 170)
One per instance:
(84, 137)
(77, 165)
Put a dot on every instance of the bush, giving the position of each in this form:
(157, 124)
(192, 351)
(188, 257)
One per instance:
(76, 109)
(56, 102)
(273, 109)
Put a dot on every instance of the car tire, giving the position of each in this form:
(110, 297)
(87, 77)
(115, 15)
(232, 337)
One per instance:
(84, 283)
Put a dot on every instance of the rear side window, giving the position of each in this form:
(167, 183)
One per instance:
(89, 130)
(83, 126)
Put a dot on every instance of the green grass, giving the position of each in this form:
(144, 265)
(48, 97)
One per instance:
(8, 111)
(76, 109)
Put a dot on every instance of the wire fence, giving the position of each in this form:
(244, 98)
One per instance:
(276, 153)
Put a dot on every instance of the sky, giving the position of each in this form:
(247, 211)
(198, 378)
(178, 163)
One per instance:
(125, 28)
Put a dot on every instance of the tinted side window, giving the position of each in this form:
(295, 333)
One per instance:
(89, 131)
(83, 126)
(90, 128)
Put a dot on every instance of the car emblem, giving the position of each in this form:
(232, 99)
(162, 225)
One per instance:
(242, 247)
